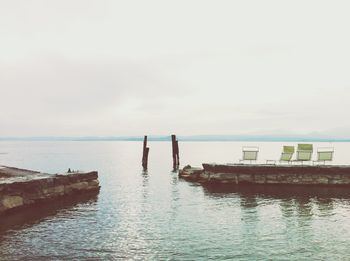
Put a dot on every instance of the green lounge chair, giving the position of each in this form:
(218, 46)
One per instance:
(286, 155)
(324, 154)
(304, 153)
(249, 154)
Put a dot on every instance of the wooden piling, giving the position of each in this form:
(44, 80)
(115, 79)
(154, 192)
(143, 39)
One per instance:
(145, 153)
(145, 165)
(175, 150)
(177, 153)
(173, 146)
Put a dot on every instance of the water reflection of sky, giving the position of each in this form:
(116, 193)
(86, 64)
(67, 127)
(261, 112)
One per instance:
(154, 215)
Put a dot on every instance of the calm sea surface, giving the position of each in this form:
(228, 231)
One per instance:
(157, 216)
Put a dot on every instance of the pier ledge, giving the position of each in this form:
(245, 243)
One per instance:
(268, 174)
(21, 188)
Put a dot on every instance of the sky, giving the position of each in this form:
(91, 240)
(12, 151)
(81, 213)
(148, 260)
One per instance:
(115, 68)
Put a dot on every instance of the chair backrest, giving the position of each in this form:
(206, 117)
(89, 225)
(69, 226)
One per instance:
(250, 153)
(287, 153)
(304, 152)
(325, 154)
(307, 147)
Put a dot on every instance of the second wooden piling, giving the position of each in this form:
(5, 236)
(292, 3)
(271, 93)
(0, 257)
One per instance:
(145, 154)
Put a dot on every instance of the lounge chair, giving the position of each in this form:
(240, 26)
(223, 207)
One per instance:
(324, 154)
(249, 154)
(304, 153)
(286, 155)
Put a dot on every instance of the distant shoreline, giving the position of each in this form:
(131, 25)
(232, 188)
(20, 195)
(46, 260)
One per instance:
(186, 138)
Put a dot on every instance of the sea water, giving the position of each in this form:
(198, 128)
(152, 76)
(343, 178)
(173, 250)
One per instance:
(154, 215)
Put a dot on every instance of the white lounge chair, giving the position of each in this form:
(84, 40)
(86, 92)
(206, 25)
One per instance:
(250, 154)
(324, 154)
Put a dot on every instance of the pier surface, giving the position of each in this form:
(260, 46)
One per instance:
(269, 174)
(21, 188)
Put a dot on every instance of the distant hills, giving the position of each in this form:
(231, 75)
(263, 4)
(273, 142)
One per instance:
(202, 138)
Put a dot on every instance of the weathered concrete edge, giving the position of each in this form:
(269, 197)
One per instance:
(17, 195)
(267, 174)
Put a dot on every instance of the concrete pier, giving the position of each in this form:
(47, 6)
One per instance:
(20, 188)
(269, 174)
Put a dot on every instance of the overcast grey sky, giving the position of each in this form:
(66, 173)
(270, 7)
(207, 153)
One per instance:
(80, 67)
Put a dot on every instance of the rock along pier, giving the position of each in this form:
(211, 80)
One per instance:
(20, 188)
(269, 174)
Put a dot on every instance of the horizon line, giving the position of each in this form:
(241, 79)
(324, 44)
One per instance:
(184, 138)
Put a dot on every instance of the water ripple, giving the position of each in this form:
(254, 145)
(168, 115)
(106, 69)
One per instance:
(155, 216)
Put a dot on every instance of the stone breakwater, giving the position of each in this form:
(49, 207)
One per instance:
(22, 188)
(269, 174)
